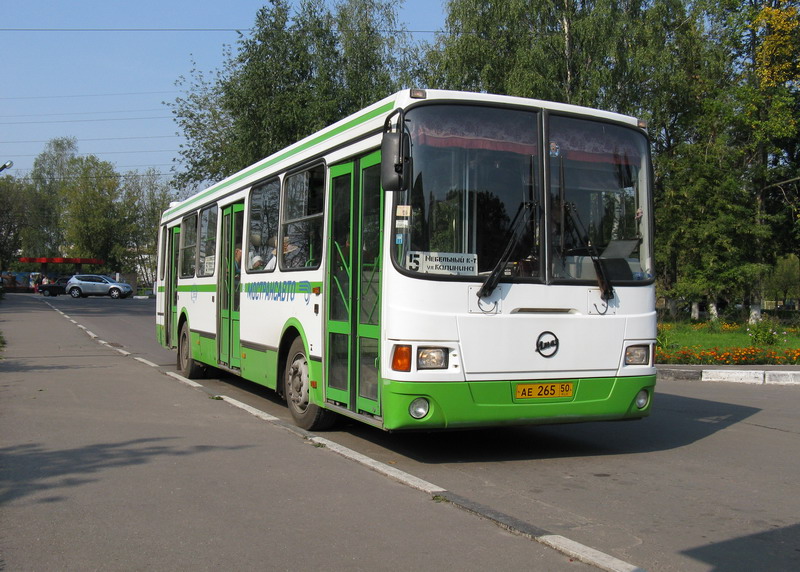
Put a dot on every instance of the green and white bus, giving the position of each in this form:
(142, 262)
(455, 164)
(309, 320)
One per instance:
(437, 260)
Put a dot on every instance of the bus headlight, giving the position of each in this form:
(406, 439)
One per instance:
(419, 408)
(432, 358)
(637, 355)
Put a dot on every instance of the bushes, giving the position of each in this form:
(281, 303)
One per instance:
(766, 332)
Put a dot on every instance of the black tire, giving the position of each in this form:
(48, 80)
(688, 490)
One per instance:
(187, 367)
(45, 292)
(296, 389)
(114, 293)
(75, 292)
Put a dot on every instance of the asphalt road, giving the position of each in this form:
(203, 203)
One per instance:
(708, 482)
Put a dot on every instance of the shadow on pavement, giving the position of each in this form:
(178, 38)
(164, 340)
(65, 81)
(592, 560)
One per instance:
(776, 550)
(30, 469)
(675, 422)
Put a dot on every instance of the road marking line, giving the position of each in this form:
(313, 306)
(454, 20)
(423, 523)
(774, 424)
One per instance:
(586, 554)
(389, 471)
(182, 379)
(251, 410)
(146, 362)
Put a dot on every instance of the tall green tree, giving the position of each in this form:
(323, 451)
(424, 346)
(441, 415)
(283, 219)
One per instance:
(144, 196)
(91, 220)
(205, 124)
(43, 234)
(13, 202)
(571, 51)
(373, 49)
(292, 74)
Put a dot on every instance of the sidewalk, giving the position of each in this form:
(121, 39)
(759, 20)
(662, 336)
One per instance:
(107, 464)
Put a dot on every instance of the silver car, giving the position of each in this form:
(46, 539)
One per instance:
(82, 285)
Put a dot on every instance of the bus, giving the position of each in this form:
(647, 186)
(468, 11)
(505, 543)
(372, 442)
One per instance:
(438, 260)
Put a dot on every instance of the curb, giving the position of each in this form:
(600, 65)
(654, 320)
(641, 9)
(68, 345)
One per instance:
(748, 376)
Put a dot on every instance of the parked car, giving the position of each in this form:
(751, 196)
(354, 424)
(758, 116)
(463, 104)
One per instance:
(54, 288)
(82, 285)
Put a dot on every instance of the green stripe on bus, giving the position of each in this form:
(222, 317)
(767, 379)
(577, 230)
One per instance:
(198, 288)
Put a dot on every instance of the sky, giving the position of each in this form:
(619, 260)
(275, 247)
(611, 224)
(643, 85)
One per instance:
(101, 70)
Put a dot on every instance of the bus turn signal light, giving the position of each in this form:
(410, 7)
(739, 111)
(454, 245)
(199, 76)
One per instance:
(401, 360)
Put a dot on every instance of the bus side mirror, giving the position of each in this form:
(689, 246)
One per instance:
(395, 160)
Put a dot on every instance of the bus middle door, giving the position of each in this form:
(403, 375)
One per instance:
(229, 289)
(353, 286)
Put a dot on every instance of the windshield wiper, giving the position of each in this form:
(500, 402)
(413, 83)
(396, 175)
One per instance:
(511, 242)
(606, 288)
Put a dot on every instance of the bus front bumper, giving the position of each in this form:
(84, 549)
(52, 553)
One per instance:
(452, 405)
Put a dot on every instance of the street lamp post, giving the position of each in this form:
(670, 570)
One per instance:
(6, 165)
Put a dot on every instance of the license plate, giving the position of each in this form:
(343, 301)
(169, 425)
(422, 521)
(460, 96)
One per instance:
(541, 390)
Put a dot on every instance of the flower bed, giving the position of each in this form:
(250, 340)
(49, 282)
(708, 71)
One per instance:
(723, 343)
(728, 356)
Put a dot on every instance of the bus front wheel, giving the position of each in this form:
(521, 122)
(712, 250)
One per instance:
(306, 415)
(187, 367)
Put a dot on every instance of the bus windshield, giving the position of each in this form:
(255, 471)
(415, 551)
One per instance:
(487, 185)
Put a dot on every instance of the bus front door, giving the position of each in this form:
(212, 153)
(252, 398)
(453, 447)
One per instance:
(171, 287)
(229, 287)
(353, 286)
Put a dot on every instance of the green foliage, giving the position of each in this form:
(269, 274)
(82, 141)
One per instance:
(43, 233)
(294, 74)
(13, 211)
(91, 214)
(572, 52)
(767, 331)
(80, 206)
(716, 82)
(142, 200)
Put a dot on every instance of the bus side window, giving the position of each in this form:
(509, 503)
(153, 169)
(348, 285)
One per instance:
(302, 219)
(188, 254)
(263, 227)
(208, 241)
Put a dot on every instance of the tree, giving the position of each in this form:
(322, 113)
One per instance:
(293, 74)
(13, 193)
(92, 213)
(570, 51)
(373, 50)
(784, 281)
(206, 126)
(143, 198)
(43, 235)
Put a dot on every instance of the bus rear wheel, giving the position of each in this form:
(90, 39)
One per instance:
(187, 367)
(306, 415)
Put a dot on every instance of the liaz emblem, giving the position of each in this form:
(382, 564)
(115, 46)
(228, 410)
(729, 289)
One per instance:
(547, 344)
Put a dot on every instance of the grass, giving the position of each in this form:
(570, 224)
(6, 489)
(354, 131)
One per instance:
(724, 343)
